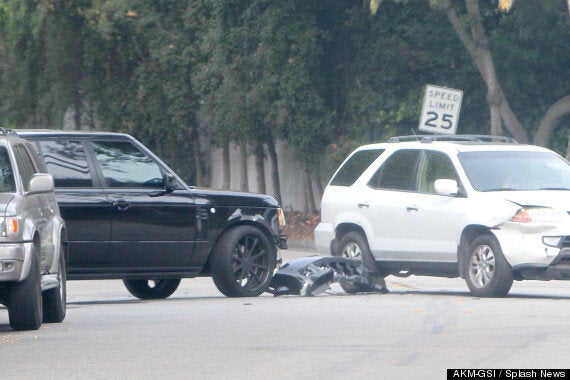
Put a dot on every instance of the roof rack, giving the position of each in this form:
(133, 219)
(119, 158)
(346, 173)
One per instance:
(6, 132)
(472, 138)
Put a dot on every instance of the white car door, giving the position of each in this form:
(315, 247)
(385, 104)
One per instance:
(434, 222)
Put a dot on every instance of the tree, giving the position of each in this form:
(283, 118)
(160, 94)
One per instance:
(470, 28)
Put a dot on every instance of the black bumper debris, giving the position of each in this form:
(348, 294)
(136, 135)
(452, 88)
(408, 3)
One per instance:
(313, 275)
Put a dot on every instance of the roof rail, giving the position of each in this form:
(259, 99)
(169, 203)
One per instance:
(473, 138)
(6, 132)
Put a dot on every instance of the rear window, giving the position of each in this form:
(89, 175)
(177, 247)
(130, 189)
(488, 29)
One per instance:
(355, 166)
(67, 162)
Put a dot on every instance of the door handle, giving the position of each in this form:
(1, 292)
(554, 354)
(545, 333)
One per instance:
(412, 208)
(121, 205)
(363, 205)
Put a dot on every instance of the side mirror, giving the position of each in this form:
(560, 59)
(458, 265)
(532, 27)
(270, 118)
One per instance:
(41, 183)
(170, 182)
(446, 187)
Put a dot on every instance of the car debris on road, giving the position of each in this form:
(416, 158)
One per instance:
(310, 276)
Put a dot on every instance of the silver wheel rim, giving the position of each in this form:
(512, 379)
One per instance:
(482, 266)
(352, 251)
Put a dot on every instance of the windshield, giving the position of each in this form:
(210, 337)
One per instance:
(509, 170)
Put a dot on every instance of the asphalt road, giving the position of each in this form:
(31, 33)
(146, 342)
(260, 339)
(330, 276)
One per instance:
(418, 330)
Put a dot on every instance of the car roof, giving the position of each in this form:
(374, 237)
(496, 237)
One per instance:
(458, 143)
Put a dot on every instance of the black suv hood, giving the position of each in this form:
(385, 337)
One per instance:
(233, 198)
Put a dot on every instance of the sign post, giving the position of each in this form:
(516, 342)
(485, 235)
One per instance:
(440, 111)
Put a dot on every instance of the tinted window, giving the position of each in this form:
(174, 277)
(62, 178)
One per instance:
(125, 165)
(435, 165)
(66, 162)
(25, 165)
(6, 174)
(353, 168)
(398, 172)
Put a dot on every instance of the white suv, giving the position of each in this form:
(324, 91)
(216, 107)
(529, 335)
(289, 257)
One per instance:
(478, 207)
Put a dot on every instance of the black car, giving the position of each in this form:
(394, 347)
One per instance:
(130, 217)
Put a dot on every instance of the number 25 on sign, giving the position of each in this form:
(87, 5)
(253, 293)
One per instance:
(440, 111)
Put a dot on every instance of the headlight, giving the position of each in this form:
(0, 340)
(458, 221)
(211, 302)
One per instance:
(9, 226)
(281, 217)
(539, 214)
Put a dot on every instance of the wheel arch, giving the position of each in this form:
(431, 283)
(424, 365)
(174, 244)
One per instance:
(264, 227)
(469, 234)
(341, 230)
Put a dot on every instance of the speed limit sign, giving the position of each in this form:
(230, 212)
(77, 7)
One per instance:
(440, 111)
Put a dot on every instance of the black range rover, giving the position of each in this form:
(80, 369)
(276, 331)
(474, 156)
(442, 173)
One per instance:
(131, 217)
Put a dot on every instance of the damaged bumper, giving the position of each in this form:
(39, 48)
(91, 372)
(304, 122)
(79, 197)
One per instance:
(310, 276)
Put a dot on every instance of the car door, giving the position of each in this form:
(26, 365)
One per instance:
(435, 222)
(386, 201)
(150, 228)
(82, 202)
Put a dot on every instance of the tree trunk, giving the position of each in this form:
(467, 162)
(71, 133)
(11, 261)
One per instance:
(226, 181)
(197, 155)
(276, 182)
(477, 45)
(260, 168)
(548, 123)
(243, 180)
(319, 188)
(309, 197)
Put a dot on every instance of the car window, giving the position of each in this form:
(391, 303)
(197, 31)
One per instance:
(6, 174)
(435, 165)
(66, 162)
(398, 172)
(353, 168)
(125, 165)
(515, 170)
(25, 165)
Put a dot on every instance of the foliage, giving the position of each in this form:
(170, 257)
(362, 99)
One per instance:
(325, 77)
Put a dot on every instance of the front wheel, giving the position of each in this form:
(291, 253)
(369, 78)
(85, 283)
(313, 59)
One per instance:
(487, 272)
(25, 299)
(148, 289)
(242, 262)
(355, 247)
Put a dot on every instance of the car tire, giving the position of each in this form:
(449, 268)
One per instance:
(242, 262)
(487, 272)
(25, 299)
(147, 289)
(354, 246)
(55, 300)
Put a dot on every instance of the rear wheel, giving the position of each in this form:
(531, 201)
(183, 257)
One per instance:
(487, 272)
(25, 299)
(55, 300)
(243, 262)
(355, 247)
(147, 289)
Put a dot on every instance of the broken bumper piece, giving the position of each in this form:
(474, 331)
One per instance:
(313, 275)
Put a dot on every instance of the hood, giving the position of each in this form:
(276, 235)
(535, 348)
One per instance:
(5, 199)
(557, 199)
(233, 198)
